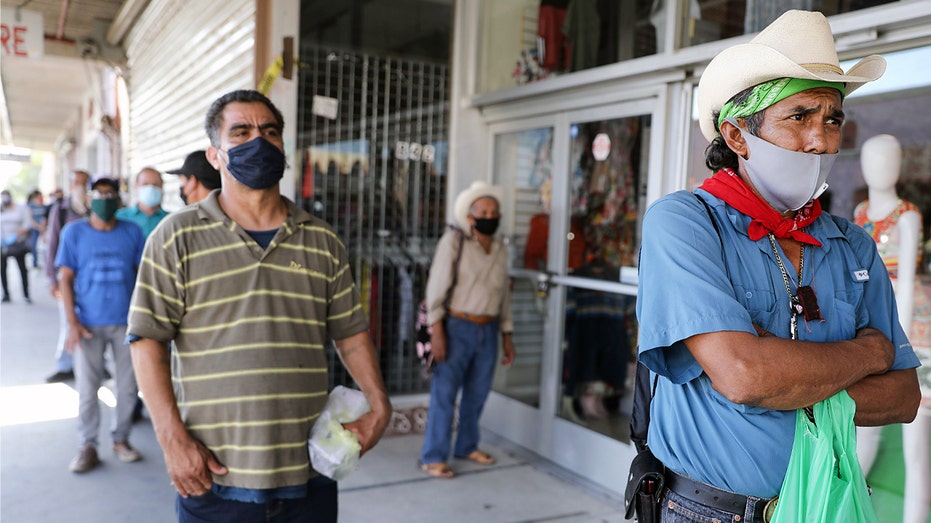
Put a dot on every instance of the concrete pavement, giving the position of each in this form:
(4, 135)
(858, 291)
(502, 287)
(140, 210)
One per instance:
(38, 438)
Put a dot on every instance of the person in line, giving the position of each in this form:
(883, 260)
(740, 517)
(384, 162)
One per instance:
(148, 212)
(755, 303)
(39, 212)
(15, 223)
(251, 289)
(198, 177)
(466, 329)
(66, 210)
(97, 261)
(57, 195)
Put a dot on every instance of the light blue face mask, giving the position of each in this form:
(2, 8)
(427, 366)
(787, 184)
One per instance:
(150, 195)
(786, 179)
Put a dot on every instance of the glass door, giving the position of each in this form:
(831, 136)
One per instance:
(576, 190)
(607, 165)
(524, 166)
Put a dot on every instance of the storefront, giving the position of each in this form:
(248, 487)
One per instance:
(585, 140)
(583, 129)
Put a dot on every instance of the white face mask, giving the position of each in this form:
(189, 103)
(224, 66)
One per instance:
(786, 179)
(150, 195)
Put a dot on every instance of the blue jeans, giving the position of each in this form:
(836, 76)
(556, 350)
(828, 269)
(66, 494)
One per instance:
(319, 506)
(34, 246)
(677, 509)
(471, 357)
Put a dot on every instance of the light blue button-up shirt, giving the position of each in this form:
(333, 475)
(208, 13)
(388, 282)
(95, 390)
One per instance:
(688, 288)
(145, 222)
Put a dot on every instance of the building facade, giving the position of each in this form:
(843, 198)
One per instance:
(583, 110)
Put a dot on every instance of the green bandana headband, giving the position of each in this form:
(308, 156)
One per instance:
(768, 93)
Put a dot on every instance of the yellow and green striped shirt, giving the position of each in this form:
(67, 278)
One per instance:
(250, 328)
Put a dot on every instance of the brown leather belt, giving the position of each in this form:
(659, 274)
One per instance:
(474, 318)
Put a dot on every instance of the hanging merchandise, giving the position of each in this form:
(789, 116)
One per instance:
(583, 29)
(554, 55)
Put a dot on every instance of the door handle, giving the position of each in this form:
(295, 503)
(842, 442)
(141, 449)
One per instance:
(544, 280)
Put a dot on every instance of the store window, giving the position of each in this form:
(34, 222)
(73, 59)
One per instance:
(526, 41)
(709, 20)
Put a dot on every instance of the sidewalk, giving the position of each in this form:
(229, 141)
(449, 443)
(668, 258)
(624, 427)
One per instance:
(38, 438)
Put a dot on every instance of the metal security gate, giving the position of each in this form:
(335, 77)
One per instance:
(373, 135)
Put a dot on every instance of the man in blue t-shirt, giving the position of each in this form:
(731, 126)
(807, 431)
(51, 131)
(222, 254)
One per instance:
(97, 261)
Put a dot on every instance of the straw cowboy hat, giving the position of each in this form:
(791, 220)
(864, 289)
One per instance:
(467, 197)
(798, 44)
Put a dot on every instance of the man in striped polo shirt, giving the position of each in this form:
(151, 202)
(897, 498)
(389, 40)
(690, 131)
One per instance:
(251, 289)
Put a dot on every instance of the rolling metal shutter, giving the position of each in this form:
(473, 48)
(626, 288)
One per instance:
(181, 57)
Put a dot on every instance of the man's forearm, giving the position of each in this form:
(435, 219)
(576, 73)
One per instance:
(152, 364)
(66, 287)
(887, 398)
(358, 355)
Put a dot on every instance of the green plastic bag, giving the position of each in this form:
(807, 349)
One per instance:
(824, 482)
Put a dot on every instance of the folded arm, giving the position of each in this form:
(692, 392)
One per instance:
(777, 373)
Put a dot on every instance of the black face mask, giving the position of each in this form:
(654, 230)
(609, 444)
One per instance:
(486, 226)
(183, 196)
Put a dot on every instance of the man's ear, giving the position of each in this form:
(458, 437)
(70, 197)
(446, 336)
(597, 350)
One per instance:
(733, 137)
(213, 156)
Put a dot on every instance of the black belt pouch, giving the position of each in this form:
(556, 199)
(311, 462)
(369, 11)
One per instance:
(644, 487)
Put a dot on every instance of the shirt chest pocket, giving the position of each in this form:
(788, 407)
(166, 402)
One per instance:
(844, 318)
(759, 302)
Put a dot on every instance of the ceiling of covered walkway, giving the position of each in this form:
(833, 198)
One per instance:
(42, 96)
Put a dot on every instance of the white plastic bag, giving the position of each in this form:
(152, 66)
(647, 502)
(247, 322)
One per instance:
(334, 451)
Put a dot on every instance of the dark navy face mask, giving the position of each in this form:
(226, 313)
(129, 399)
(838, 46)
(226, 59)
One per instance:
(257, 164)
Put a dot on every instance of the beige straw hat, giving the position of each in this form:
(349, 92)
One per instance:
(798, 44)
(466, 198)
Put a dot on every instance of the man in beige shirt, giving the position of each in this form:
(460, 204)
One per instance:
(466, 310)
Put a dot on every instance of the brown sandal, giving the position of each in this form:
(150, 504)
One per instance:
(437, 470)
(480, 457)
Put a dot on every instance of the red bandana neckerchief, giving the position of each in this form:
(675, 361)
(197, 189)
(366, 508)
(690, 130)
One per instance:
(726, 185)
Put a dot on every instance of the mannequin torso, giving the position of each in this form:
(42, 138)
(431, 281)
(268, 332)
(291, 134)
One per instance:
(893, 223)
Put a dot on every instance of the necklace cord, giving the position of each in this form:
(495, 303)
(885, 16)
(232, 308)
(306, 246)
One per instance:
(795, 305)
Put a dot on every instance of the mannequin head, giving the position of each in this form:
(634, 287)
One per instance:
(880, 159)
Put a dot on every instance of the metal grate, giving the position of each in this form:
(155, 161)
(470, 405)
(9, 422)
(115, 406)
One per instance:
(376, 171)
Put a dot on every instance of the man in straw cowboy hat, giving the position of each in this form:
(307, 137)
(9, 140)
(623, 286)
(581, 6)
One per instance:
(787, 306)
(468, 305)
